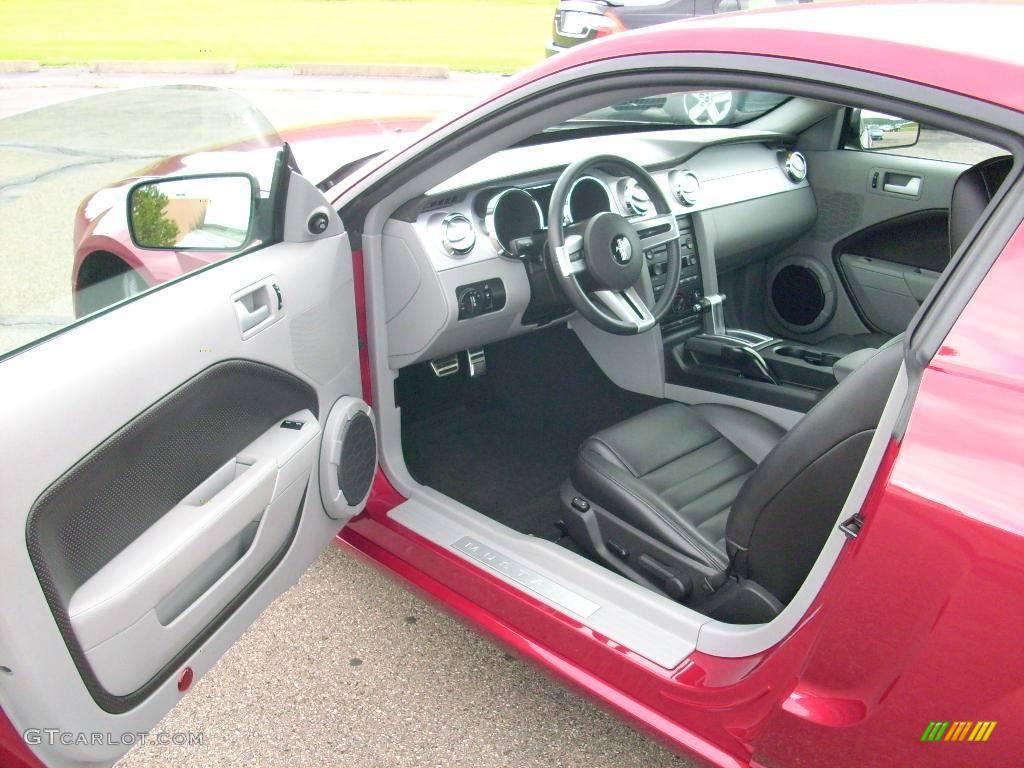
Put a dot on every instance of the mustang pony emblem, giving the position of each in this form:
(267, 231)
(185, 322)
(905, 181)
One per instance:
(622, 249)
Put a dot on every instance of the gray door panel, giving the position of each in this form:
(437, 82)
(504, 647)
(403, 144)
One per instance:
(850, 190)
(153, 503)
(888, 294)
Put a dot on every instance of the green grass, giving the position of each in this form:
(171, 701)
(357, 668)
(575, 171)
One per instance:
(470, 35)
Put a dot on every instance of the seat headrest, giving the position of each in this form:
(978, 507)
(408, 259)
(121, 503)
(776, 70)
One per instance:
(972, 192)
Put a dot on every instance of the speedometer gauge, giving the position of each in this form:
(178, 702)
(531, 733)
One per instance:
(512, 213)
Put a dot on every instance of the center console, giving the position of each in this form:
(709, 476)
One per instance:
(703, 353)
(690, 291)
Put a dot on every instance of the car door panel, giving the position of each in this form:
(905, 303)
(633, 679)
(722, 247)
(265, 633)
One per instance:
(859, 217)
(887, 294)
(889, 269)
(154, 504)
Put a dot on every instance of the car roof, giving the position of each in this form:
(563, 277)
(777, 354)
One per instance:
(972, 48)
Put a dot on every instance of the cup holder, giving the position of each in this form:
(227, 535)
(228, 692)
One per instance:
(810, 356)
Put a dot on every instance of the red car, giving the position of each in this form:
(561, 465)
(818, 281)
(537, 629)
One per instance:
(109, 267)
(722, 426)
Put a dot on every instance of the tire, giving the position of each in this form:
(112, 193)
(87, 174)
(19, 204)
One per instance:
(701, 107)
(109, 281)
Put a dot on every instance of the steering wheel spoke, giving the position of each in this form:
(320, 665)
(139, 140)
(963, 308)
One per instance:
(655, 230)
(627, 307)
(570, 256)
(609, 248)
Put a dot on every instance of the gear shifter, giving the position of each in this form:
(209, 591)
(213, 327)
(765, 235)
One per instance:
(714, 314)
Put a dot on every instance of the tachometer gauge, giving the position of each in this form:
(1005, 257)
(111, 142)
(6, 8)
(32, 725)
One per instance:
(587, 198)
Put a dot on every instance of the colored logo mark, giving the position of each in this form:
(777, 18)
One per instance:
(959, 730)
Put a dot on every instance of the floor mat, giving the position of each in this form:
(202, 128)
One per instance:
(502, 444)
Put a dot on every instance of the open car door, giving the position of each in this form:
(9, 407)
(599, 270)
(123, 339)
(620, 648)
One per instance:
(173, 462)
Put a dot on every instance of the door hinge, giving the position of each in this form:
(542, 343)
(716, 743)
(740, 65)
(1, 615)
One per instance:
(851, 526)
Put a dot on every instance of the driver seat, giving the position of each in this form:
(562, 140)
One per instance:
(717, 506)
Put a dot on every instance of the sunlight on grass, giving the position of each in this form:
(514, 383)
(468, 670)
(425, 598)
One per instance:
(472, 35)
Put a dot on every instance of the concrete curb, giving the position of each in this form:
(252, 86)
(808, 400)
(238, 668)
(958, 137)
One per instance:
(163, 67)
(371, 70)
(10, 67)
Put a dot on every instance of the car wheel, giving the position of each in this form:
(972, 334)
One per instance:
(701, 107)
(106, 280)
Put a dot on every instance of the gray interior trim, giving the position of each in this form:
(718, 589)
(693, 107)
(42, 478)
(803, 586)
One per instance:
(641, 620)
(162, 339)
(104, 503)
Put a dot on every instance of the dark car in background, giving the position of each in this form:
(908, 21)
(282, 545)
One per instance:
(578, 21)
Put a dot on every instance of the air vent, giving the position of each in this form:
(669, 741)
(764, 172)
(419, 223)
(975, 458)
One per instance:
(685, 186)
(794, 165)
(438, 203)
(635, 199)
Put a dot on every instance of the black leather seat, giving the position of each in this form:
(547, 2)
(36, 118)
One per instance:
(972, 192)
(719, 507)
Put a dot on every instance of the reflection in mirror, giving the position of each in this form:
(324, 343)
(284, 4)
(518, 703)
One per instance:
(875, 130)
(192, 213)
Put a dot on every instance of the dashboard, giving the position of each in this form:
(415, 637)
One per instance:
(465, 264)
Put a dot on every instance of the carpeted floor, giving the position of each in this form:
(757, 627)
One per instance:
(503, 443)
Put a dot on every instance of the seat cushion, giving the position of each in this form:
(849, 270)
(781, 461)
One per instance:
(673, 472)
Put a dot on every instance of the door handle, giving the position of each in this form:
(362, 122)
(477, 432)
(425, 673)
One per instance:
(250, 318)
(904, 185)
(257, 306)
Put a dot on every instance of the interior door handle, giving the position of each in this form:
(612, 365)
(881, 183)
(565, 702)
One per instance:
(250, 318)
(257, 306)
(911, 187)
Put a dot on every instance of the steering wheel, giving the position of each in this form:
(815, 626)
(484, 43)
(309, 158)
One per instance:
(600, 262)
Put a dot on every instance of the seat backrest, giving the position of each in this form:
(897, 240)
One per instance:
(786, 509)
(972, 192)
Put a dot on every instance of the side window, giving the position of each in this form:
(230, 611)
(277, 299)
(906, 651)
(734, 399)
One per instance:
(891, 135)
(90, 214)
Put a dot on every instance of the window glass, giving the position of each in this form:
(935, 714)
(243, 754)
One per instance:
(683, 109)
(65, 175)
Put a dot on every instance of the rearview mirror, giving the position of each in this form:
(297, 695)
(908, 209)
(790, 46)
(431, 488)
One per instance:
(193, 213)
(873, 130)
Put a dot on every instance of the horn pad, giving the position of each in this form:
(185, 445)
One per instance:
(612, 251)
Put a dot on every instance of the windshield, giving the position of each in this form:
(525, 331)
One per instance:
(688, 108)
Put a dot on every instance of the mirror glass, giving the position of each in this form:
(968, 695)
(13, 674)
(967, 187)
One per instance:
(879, 131)
(192, 213)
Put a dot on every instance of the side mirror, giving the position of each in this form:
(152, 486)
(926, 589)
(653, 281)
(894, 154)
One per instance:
(213, 212)
(873, 130)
